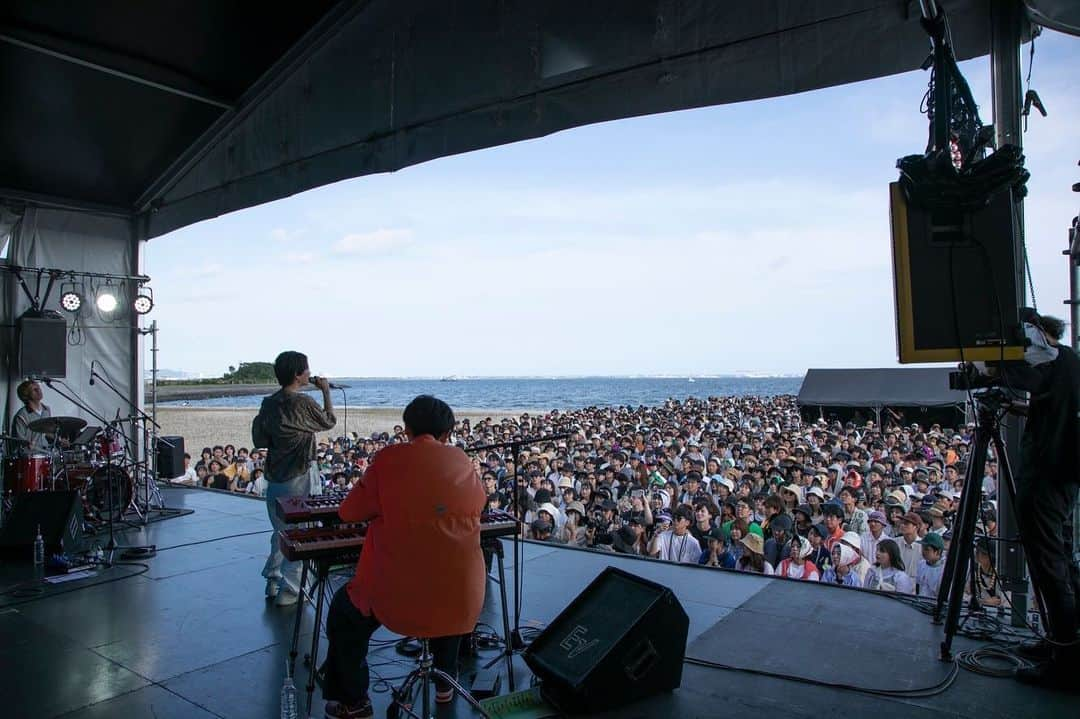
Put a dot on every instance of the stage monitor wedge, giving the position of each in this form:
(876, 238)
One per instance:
(622, 639)
(954, 276)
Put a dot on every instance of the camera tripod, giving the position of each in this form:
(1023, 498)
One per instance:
(960, 560)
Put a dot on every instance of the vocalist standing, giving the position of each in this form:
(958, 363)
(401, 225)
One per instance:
(286, 427)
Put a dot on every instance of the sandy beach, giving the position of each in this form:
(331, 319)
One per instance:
(207, 426)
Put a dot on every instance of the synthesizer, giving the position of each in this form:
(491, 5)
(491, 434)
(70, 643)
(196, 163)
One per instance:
(337, 543)
(324, 508)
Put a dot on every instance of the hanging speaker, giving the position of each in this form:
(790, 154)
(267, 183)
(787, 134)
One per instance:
(954, 276)
(42, 341)
(620, 640)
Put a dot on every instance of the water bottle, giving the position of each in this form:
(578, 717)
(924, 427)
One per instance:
(288, 695)
(39, 549)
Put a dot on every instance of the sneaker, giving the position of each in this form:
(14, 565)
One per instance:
(341, 710)
(271, 588)
(286, 598)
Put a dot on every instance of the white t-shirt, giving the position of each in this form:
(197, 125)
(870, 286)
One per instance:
(674, 548)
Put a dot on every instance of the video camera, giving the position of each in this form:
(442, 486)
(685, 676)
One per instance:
(968, 377)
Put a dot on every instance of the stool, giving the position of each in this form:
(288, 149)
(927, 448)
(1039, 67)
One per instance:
(424, 673)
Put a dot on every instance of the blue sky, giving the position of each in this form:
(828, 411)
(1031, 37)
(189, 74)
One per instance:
(749, 237)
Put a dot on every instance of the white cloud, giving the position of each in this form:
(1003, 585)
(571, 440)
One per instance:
(300, 258)
(379, 242)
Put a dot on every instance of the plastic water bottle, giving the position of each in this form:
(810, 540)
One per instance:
(288, 696)
(39, 549)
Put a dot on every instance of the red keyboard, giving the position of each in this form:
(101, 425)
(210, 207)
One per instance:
(324, 508)
(339, 543)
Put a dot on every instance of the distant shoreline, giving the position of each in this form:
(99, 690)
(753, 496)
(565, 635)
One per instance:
(173, 393)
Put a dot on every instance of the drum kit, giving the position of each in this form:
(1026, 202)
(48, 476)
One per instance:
(75, 457)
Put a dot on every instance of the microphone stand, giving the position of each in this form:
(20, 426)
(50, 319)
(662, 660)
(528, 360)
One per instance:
(515, 445)
(150, 434)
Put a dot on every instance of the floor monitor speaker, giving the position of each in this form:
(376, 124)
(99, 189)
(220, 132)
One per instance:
(622, 639)
(58, 514)
(170, 457)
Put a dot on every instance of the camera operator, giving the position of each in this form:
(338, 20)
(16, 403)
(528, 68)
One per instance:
(1046, 493)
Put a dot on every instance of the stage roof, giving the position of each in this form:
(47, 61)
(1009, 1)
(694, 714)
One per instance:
(175, 111)
(889, 387)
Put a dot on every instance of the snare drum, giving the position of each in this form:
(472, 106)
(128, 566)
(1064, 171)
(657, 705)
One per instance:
(27, 474)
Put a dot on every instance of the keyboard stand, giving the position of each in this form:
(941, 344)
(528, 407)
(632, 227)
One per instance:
(496, 547)
(318, 592)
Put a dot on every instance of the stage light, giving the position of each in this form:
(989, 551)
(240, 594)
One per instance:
(106, 300)
(144, 301)
(71, 301)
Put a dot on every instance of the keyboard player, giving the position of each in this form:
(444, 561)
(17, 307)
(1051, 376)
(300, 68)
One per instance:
(422, 571)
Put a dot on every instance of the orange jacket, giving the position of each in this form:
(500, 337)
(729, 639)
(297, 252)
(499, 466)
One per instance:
(421, 572)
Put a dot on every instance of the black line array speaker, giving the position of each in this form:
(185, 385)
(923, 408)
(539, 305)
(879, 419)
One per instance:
(170, 457)
(954, 278)
(622, 639)
(42, 340)
(60, 516)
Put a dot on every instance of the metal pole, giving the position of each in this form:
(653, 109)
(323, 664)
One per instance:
(1073, 254)
(1006, 34)
(153, 370)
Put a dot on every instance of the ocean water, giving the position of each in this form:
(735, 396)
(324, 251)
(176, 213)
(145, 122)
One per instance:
(535, 393)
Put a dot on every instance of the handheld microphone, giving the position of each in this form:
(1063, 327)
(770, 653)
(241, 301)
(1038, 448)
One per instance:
(92, 372)
(331, 385)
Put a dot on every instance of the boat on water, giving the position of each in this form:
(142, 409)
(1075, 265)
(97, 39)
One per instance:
(449, 378)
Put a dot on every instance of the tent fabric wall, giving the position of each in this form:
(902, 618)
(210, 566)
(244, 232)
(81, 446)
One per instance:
(402, 82)
(82, 242)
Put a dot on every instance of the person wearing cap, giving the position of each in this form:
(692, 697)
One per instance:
(834, 519)
(819, 554)
(876, 522)
(797, 565)
(888, 573)
(677, 544)
(931, 566)
(908, 543)
(778, 545)
(713, 554)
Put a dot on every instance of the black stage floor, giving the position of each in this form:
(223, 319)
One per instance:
(191, 636)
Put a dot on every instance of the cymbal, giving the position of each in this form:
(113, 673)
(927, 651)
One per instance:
(57, 425)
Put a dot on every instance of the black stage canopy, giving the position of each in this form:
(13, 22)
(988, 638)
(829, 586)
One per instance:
(917, 394)
(174, 111)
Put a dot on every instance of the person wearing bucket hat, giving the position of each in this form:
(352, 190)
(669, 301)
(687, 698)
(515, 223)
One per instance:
(797, 565)
(931, 566)
(877, 522)
(753, 558)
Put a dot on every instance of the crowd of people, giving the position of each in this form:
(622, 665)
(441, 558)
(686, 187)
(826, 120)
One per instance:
(734, 482)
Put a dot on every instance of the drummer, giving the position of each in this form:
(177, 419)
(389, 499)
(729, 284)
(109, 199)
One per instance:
(33, 409)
